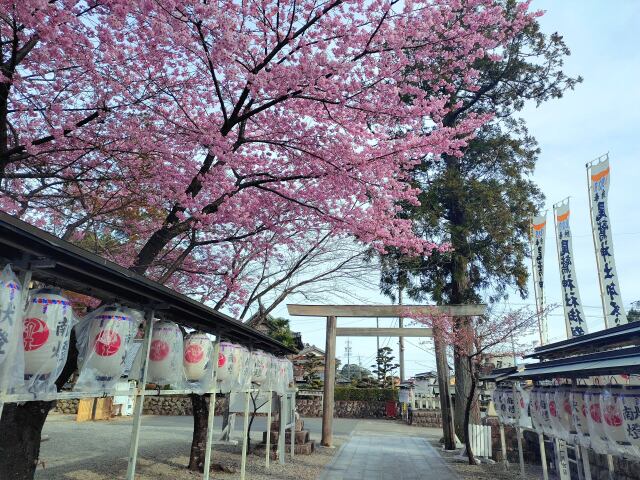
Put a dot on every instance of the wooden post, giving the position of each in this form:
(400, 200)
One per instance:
(268, 447)
(445, 399)
(543, 456)
(329, 383)
(503, 446)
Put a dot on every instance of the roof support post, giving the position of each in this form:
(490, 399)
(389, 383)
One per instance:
(329, 383)
(137, 414)
(212, 409)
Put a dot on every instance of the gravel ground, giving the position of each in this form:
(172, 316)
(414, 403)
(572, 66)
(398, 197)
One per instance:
(99, 451)
(485, 471)
(303, 467)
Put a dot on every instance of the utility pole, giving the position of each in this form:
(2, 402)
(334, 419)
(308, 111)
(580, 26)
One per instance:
(401, 339)
(377, 338)
(347, 352)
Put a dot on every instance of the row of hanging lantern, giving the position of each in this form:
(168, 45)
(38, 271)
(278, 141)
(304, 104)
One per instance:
(34, 347)
(603, 417)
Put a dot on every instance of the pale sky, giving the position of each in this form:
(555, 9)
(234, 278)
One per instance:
(601, 115)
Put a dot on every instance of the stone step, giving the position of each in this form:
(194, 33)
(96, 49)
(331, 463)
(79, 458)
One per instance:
(302, 449)
(301, 437)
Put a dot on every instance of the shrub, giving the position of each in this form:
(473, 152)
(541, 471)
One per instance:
(366, 394)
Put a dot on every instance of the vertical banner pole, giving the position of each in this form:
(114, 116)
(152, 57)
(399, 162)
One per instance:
(212, 409)
(598, 182)
(574, 318)
(137, 415)
(595, 249)
(538, 240)
(268, 448)
(245, 435)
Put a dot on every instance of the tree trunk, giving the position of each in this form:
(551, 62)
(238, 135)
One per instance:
(463, 382)
(200, 404)
(20, 439)
(21, 427)
(467, 411)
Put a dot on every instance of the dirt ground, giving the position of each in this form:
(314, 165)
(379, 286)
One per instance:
(486, 471)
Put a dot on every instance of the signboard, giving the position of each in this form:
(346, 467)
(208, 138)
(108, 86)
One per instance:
(573, 311)
(599, 174)
(538, 234)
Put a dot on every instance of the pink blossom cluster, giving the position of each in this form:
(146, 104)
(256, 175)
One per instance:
(178, 136)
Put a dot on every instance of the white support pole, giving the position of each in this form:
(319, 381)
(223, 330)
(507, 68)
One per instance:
(268, 446)
(292, 409)
(562, 459)
(503, 445)
(281, 435)
(543, 457)
(612, 474)
(586, 465)
(245, 435)
(519, 437)
(212, 409)
(137, 414)
(520, 452)
(576, 451)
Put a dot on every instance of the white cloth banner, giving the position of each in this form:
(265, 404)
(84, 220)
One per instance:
(609, 285)
(538, 234)
(573, 312)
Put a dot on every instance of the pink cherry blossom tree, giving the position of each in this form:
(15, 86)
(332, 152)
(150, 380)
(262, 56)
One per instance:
(509, 332)
(171, 133)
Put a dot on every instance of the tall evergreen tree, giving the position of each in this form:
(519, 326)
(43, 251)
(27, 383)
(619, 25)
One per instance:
(481, 202)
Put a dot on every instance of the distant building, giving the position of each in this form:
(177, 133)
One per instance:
(301, 359)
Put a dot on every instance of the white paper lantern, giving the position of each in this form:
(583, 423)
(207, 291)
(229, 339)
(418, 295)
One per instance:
(580, 415)
(536, 414)
(630, 404)
(613, 411)
(10, 311)
(499, 404)
(110, 333)
(599, 441)
(260, 365)
(165, 354)
(198, 352)
(522, 405)
(564, 423)
(228, 365)
(46, 331)
(545, 414)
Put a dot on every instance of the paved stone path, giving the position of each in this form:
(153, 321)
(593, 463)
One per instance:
(394, 455)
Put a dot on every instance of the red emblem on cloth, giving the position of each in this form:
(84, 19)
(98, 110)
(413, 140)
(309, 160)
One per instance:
(35, 334)
(194, 353)
(221, 360)
(612, 416)
(552, 409)
(567, 406)
(107, 343)
(159, 350)
(521, 402)
(596, 416)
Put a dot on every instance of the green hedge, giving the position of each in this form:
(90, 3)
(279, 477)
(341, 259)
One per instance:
(366, 394)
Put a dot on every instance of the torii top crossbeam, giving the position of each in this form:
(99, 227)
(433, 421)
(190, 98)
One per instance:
(384, 311)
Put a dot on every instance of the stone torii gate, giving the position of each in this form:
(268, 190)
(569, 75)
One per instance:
(332, 312)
